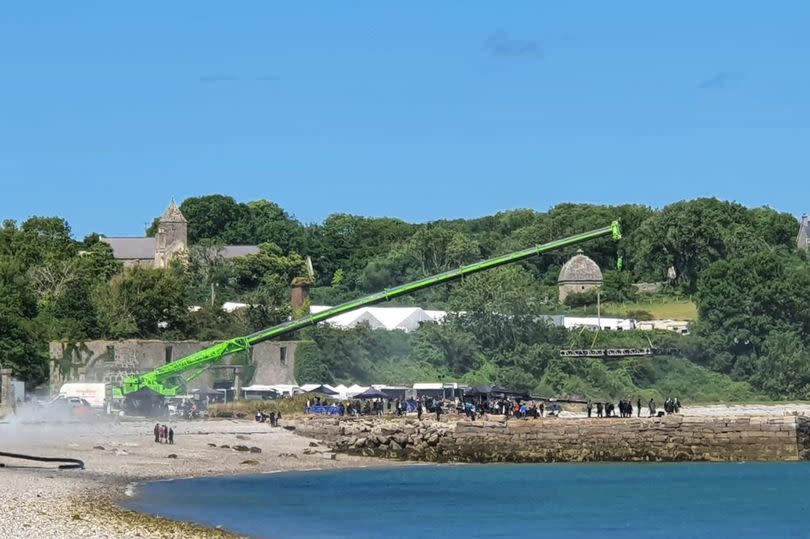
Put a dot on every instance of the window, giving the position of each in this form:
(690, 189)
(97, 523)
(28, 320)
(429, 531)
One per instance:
(110, 353)
(168, 354)
(282, 355)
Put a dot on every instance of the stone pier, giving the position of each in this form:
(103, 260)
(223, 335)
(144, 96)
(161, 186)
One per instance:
(665, 439)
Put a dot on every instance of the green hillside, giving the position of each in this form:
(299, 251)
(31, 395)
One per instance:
(737, 275)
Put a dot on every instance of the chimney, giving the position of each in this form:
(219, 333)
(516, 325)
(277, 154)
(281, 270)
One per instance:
(300, 297)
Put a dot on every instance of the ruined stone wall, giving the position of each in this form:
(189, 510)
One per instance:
(111, 361)
(672, 438)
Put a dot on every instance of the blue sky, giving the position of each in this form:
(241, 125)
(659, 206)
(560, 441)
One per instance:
(418, 110)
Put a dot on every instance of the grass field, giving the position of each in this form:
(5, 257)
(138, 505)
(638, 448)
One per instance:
(660, 310)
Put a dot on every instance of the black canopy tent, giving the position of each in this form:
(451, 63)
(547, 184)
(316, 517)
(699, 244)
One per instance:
(506, 392)
(371, 393)
(206, 392)
(323, 390)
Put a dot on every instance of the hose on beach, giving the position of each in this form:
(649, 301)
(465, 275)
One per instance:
(67, 463)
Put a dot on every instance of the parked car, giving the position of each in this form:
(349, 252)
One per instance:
(70, 406)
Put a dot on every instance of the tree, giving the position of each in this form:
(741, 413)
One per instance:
(436, 248)
(507, 290)
(143, 302)
(211, 276)
(18, 339)
(446, 346)
(268, 222)
(691, 235)
(742, 300)
(210, 217)
(783, 371)
(617, 286)
(44, 239)
(253, 270)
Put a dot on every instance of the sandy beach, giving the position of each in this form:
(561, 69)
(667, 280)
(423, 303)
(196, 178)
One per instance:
(39, 500)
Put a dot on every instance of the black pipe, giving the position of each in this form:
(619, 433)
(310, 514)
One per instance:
(70, 464)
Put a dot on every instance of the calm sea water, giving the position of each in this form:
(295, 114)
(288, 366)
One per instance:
(500, 501)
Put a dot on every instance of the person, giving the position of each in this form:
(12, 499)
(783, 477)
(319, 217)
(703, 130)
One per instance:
(171, 436)
(639, 406)
(677, 406)
(590, 407)
(157, 433)
(652, 407)
(438, 407)
(419, 410)
(598, 409)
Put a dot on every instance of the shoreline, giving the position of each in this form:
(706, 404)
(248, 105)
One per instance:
(120, 455)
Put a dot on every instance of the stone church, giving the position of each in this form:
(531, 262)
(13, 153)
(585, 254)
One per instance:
(170, 241)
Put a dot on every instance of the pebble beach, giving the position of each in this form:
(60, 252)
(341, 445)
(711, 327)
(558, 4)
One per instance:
(40, 500)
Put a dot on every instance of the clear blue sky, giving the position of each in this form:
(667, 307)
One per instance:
(414, 109)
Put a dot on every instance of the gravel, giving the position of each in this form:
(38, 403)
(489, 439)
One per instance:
(41, 501)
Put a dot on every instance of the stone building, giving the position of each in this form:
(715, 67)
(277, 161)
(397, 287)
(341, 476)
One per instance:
(803, 239)
(170, 242)
(580, 274)
(267, 363)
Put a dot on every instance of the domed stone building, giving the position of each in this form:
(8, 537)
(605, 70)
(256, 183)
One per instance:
(580, 274)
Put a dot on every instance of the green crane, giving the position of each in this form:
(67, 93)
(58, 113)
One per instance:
(171, 379)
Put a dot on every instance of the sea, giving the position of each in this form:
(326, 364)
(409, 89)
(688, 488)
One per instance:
(683, 500)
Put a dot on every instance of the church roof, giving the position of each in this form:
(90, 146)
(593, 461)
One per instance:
(131, 248)
(172, 214)
(235, 251)
(580, 268)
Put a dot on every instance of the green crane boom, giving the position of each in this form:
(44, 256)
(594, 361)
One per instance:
(168, 380)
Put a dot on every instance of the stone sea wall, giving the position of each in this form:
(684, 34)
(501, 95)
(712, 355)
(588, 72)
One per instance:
(671, 438)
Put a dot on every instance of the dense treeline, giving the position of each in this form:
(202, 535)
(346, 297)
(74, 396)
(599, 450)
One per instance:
(740, 266)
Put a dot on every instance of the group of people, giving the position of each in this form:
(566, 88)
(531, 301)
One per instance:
(272, 417)
(163, 434)
(505, 407)
(671, 406)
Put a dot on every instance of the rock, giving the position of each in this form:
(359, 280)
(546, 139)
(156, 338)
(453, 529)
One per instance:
(255, 449)
(171, 456)
(328, 456)
(290, 455)
(313, 444)
(240, 448)
(101, 447)
(250, 462)
(289, 427)
(242, 437)
(212, 444)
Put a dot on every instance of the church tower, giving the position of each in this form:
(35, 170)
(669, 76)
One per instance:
(803, 239)
(171, 239)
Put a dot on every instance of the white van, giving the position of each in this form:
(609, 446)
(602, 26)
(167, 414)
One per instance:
(94, 393)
